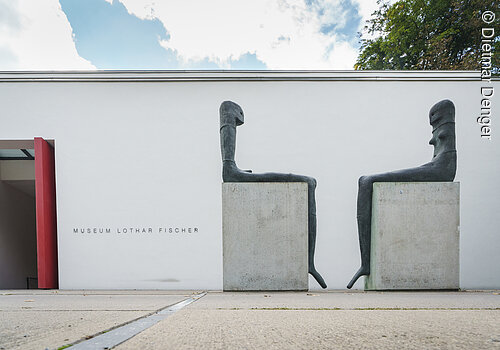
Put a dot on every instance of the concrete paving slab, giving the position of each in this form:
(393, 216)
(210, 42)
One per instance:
(257, 320)
(52, 329)
(121, 334)
(305, 329)
(49, 319)
(94, 291)
(85, 302)
(349, 300)
(330, 320)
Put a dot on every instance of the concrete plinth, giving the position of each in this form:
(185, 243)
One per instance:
(415, 236)
(265, 236)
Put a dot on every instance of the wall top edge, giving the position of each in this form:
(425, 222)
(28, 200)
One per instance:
(232, 75)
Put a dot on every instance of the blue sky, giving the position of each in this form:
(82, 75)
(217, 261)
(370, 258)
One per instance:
(188, 34)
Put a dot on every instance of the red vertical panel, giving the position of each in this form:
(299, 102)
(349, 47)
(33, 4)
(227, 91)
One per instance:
(46, 230)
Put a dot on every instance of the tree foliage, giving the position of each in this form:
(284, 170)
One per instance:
(426, 34)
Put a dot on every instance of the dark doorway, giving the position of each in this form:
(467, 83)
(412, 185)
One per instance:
(28, 241)
(18, 257)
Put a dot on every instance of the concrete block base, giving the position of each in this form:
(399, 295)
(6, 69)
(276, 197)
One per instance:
(415, 236)
(265, 236)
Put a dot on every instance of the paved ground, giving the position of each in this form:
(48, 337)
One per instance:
(33, 319)
(315, 320)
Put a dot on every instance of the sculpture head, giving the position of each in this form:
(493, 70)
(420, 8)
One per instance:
(441, 113)
(442, 119)
(231, 114)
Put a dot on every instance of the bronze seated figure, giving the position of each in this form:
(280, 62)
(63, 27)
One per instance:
(441, 168)
(231, 116)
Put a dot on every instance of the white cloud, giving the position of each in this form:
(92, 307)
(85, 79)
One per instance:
(36, 35)
(365, 10)
(284, 34)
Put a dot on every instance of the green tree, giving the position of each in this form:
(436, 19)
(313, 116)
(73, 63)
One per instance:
(427, 34)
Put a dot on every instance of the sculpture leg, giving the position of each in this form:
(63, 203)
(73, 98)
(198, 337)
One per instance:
(364, 226)
(312, 232)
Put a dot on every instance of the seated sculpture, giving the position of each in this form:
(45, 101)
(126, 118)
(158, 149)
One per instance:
(441, 168)
(231, 116)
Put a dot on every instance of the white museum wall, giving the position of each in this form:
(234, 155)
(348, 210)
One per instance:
(147, 154)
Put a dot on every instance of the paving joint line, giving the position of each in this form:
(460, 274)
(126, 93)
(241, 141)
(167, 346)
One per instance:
(24, 309)
(362, 309)
(112, 337)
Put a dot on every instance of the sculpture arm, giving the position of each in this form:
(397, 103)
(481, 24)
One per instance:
(441, 168)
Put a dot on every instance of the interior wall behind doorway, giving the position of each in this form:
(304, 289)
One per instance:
(17, 237)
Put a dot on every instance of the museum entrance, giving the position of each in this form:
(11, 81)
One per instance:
(28, 249)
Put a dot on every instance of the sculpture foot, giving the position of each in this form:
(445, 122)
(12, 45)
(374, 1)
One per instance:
(363, 271)
(318, 277)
